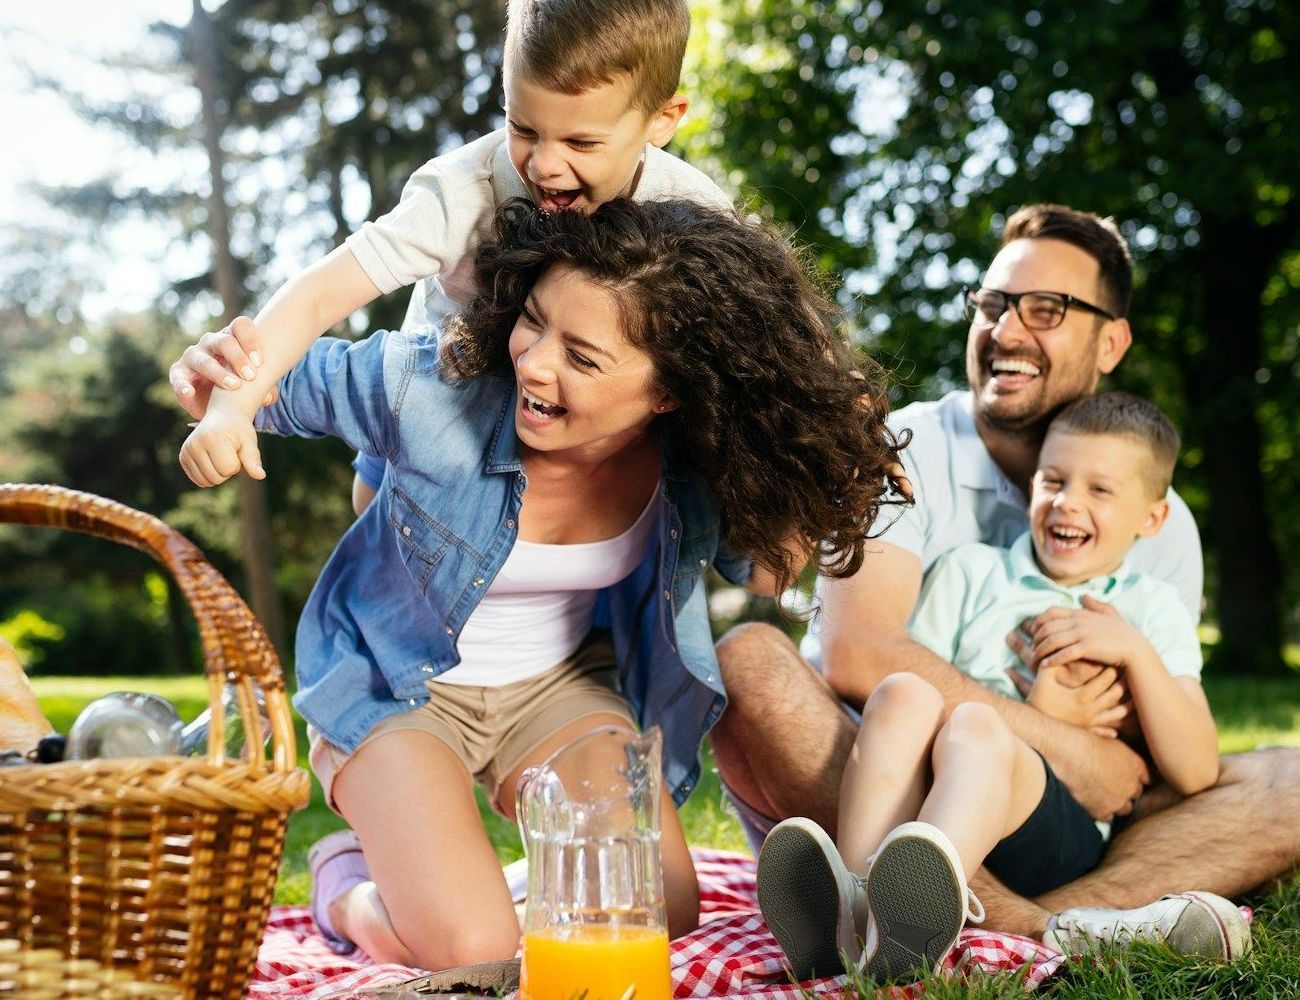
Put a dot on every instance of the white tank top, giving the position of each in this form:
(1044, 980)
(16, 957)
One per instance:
(539, 608)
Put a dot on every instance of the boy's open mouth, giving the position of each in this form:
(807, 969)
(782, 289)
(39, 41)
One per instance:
(1067, 539)
(552, 200)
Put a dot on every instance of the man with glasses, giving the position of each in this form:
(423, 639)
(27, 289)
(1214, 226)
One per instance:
(1047, 321)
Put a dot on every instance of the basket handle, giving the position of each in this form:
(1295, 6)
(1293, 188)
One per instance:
(235, 646)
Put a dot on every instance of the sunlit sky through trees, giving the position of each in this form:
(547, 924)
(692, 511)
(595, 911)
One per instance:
(45, 141)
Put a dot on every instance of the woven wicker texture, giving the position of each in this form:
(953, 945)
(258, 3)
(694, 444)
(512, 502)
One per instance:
(47, 974)
(160, 869)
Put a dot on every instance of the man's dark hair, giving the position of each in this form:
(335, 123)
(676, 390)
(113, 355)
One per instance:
(1122, 414)
(1099, 238)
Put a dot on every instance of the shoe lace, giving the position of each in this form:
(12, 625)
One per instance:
(974, 908)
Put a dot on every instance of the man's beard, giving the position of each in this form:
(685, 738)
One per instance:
(1027, 426)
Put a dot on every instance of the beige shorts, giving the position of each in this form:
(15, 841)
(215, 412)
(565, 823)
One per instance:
(492, 729)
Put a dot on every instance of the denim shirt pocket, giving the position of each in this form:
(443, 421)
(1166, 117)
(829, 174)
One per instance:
(421, 539)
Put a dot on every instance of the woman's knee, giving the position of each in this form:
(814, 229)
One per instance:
(467, 941)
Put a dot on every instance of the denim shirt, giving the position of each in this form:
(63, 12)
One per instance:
(389, 605)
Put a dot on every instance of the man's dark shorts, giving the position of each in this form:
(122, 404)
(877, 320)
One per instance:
(1056, 844)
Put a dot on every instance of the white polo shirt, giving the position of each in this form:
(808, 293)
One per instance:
(962, 497)
(447, 207)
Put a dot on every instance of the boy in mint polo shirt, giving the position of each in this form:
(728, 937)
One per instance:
(1099, 487)
(927, 799)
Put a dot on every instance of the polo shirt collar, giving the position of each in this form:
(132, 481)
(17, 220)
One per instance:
(1024, 568)
(972, 465)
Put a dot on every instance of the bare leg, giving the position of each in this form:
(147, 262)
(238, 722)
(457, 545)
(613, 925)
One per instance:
(887, 775)
(986, 782)
(793, 771)
(438, 898)
(681, 888)
(797, 771)
(1227, 840)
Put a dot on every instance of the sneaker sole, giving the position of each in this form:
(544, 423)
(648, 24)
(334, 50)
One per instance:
(1210, 927)
(799, 895)
(918, 907)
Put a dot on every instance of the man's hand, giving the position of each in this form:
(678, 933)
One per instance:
(223, 443)
(1118, 778)
(216, 360)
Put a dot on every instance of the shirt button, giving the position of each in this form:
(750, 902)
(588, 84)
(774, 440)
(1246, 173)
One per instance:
(478, 581)
(510, 522)
(410, 701)
(450, 630)
(672, 533)
(426, 668)
(704, 563)
(667, 596)
(406, 530)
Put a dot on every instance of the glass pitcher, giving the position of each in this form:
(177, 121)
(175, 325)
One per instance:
(595, 923)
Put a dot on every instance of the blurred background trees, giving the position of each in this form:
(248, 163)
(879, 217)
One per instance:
(892, 138)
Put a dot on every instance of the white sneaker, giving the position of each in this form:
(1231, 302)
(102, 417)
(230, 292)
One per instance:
(1190, 923)
(814, 906)
(919, 902)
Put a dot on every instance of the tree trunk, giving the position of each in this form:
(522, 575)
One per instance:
(254, 519)
(1236, 261)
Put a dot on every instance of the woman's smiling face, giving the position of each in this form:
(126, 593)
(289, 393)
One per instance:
(583, 388)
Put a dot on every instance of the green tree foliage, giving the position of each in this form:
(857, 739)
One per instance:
(80, 411)
(328, 108)
(358, 94)
(939, 117)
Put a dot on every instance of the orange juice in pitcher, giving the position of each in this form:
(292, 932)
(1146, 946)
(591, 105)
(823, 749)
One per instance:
(595, 924)
(602, 962)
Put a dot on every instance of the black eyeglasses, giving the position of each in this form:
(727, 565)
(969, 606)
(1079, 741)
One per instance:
(1037, 310)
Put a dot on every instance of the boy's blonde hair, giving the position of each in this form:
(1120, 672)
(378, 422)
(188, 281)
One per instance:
(1128, 416)
(570, 46)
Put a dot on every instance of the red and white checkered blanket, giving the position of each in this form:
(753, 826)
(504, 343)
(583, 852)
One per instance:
(731, 955)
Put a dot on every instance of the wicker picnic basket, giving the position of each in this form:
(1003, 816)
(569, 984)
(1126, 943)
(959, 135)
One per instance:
(162, 868)
(48, 974)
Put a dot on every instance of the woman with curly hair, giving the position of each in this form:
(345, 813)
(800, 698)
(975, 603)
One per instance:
(635, 395)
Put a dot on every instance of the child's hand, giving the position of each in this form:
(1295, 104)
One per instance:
(221, 445)
(1097, 703)
(1094, 632)
(215, 360)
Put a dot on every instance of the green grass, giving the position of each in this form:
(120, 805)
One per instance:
(1250, 714)
(1149, 972)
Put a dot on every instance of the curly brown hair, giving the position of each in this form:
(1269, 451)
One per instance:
(786, 430)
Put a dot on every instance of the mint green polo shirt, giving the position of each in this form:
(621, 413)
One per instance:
(977, 593)
(963, 497)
